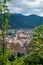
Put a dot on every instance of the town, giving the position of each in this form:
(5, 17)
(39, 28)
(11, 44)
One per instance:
(17, 39)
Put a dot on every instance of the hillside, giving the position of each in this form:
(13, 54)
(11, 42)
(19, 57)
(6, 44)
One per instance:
(26, 22)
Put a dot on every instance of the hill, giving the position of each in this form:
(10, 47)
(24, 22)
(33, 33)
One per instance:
(26, 22)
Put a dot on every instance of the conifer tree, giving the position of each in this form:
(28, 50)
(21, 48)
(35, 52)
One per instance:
(4, 20)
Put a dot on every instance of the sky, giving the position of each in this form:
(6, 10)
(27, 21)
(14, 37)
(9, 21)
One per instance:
(26, 7)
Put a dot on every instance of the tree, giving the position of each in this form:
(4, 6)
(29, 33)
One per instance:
(4, 16)
(35, 48)
(19, 61)
(11, 58)
(19, 54)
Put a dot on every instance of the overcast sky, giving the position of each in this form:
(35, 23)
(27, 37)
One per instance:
(26, 7)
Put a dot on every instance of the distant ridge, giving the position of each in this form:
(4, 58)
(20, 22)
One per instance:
(25, 22)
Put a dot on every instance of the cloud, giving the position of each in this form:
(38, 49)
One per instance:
(26, 7)
(15, 10)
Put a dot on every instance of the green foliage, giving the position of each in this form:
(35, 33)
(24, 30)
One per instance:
(3, 61)
(35, 48)
(36, 43)
(4, 13)
(19, 61)
(33, 59)
(19, 55)
(11, 58)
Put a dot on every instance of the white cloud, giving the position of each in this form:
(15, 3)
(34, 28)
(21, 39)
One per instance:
(31, 4)
(37, 10)
(41, 14)
(15, 10)
(27, 14)
(26, 7)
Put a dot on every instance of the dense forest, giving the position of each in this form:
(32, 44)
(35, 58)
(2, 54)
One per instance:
(26, 22)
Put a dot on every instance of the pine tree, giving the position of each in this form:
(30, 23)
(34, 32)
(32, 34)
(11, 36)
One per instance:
(4, 20)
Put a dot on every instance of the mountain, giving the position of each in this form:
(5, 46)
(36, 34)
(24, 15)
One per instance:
(25, 22)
